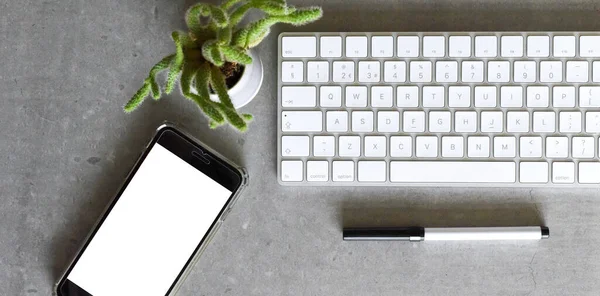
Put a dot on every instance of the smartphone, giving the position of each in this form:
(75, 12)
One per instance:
(172, 202)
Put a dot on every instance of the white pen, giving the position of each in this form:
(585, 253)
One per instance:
(446, 233)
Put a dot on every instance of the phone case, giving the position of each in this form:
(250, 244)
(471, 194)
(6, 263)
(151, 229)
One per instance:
(210, 234)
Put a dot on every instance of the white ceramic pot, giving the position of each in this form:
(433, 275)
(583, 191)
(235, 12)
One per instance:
(246, 89)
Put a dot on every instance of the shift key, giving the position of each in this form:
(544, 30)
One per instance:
(301, 121)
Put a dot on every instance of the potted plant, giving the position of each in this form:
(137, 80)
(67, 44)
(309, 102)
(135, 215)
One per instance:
(216, 56)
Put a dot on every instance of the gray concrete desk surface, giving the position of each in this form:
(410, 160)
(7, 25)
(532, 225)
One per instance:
(66, 69)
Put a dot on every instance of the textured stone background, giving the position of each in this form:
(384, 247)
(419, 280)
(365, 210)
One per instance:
(66, 69)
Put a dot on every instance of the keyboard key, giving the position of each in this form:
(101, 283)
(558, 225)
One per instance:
(362, 121)
(465, 121)
(563, 96)
(299, 47)
(323, 146)
(349, 146)
(537, 97)
(375, 146)
(577, 71)
(301, 121)
(505, 147)
(452, 172)
(434, 46)
(583, 147)
(472, 71)
(394, 71)
(388, 121)
(589, 96)
(408, 46)
(439, 121)
(382, 96)
(426, 146)
(368, 72)
(372, 171)
(478, 147)
(592, 122)
(459, 96)
(596, 71)
(459, 46)
(511, 46)
(343, 171)
(491, 122)
(331, 46)
(570, 122)
(317, 171)
(589, 172)
(318, 72)
(414, 121)
(446, 71)
(433, 96)
(292, 171)
(517, 122)
(486, 46)
(452, 146)
(589, 46)
(551, 71)
(298, 96)
(557, 147)
(382, 46)
(498, 71)
(485, 96)
(356, 46)
(401, 146)
(511, 96)
(294, 146)
(524, 71)
(337, 121)
(407, 96)
(530, 147)
(292, 71)
(538, 46)
(564, 46)
(343, 71)
(356, 96)
(330, 96)
(563, 172)
(533, 172)
(544, 122)
(420, 71)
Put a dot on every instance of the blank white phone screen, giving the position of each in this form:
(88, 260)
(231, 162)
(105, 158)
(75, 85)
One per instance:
(152, 230)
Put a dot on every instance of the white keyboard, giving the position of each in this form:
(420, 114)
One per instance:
(433, 109)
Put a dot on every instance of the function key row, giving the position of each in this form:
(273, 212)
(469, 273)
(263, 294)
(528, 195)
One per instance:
(439, 46)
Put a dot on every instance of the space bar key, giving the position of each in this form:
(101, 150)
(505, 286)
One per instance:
(452, 172)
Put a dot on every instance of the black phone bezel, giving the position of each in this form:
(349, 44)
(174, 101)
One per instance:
(195, 155)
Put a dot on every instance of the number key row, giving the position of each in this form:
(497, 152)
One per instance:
(445, 71)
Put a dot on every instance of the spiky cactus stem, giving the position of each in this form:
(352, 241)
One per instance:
(213, 41)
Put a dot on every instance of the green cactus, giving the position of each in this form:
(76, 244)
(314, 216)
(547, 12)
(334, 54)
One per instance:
(214, 39)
